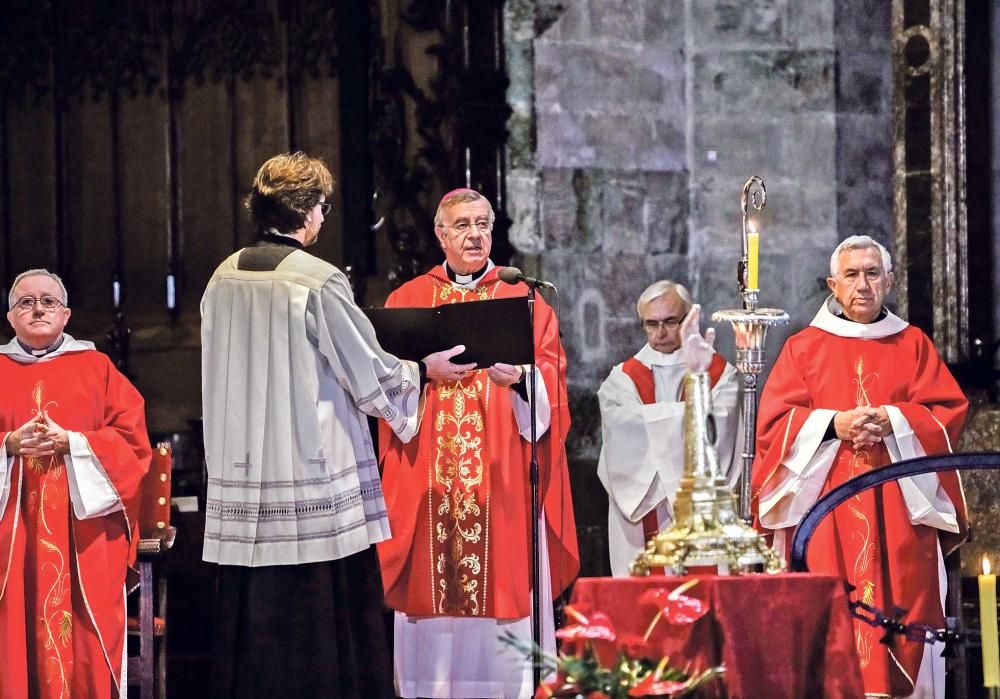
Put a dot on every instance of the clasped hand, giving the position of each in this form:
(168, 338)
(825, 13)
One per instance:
(440, 368)
(40, 436)
(863, 425)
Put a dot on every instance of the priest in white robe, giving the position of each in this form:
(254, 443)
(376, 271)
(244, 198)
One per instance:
(642, 417)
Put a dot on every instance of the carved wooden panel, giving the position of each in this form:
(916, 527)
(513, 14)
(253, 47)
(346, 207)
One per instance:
(129, 136)
(130, 133)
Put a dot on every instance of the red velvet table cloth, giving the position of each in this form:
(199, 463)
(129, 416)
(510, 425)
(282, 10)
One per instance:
(780, 636)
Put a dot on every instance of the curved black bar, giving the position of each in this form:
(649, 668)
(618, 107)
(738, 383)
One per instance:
(900, 469)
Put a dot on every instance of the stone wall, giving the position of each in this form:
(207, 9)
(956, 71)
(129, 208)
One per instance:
(649, 116)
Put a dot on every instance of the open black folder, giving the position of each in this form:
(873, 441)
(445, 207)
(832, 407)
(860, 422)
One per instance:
(492, 331)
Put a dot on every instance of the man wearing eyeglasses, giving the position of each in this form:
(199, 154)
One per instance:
(457, 569)
(642, 423)
(73, 450)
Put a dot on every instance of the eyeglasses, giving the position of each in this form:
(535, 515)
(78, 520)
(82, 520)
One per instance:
(27, 303)
(324, 208)
(668, 323)
(464, 227)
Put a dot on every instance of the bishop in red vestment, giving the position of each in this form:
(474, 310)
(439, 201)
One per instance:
(458, 566)
(858, 389)
(74, 449)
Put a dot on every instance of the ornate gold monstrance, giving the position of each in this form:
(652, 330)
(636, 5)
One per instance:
(707, 531)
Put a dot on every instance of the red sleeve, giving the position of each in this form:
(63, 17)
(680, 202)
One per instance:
(936, 408)
(936, 412)
(121, 443)
(785, 404)
(556, 498)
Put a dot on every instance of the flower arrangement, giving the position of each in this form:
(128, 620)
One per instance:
(597, 663)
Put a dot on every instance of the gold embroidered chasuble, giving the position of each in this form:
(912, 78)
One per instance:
(457, 495)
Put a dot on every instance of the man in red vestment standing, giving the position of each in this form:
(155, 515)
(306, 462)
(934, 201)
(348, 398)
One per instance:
(457, 569)
(73, 452)
(858, 389)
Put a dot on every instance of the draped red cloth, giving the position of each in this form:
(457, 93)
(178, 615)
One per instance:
(458, 495)
(785, 636)
(642, 377)
(62, 579)
(869, 541)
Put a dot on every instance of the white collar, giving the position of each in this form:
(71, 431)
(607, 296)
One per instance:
(69, 344)
(468, 281)
(650, 357)
(826, 320)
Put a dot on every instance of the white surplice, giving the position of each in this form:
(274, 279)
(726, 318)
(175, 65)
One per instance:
(290, 369)
(642, 456)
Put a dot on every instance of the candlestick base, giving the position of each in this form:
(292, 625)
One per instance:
(991, 692)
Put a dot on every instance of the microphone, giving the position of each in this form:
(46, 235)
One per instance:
(512, 275)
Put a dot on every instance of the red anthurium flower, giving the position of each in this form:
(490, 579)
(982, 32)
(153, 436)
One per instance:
(633, 645)
(650, 687)
(673, 606)
(596, 628)
(677, 608)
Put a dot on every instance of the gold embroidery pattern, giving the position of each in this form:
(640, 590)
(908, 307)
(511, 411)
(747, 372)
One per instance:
(458, 472)
(447, 292)
(867, 550)
(459, 494)
(56, 620)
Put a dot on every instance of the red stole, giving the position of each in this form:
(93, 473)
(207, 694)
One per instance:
(642, 377)
(458, 495)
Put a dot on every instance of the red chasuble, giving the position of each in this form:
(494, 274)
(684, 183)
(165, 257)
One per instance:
(458, 494)
(869, 540)
(62, 579)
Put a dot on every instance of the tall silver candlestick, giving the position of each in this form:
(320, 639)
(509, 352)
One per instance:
(750, 325)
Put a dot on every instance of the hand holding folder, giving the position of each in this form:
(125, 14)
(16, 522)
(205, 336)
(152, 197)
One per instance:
(493, 331)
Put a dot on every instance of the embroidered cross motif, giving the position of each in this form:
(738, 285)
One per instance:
(319, 460)
(245, 465)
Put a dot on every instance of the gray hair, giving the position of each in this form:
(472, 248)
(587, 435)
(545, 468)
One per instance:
(462, 195)
(662, 288)
(859, 242)
(36, 273)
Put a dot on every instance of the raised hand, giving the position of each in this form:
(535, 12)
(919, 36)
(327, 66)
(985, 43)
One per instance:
(698, 350)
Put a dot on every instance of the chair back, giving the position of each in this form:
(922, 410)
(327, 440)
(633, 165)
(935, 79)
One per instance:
(154, 517)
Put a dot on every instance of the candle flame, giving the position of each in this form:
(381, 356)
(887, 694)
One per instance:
(751, 228)
(986, 565)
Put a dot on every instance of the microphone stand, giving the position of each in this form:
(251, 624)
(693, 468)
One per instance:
(536, 616)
